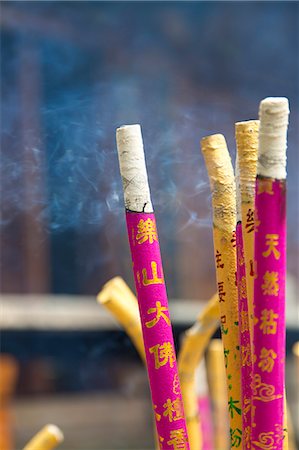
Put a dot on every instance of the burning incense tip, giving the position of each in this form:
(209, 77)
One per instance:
(133, 169)
(274, 113)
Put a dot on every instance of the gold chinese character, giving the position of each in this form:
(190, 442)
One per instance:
(155, 279)
(265, 186)
(157, 415)
(242, 288)
(246, 355)
(176, 385)
(270, 286)
(247, 437)
(146, 231)
(159, 311)
(267, 358)
(272, 243)
(173, 410)
(244, 321)
(178, 439)
(163, 354)
(268, 324)
(257, 222)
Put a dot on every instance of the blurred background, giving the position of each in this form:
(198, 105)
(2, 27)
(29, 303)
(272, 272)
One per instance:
(71, 73)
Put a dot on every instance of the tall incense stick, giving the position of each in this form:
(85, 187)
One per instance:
(247, 142)
(269, 287)
(118, 298)
(223, 190)
(244, 330)
(151, 291)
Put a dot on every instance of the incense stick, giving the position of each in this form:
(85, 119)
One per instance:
(247, 142)
(244, 331)
(218, 392)
(204, 405)
(47, 438)
(118, 298)
(222, 183)
(151, 291)
(269, 286)
(193, 346)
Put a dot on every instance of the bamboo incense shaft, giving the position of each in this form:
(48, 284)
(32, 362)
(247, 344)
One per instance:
(247, 142)
(151, 291)
(47, 438)
(269, 286)
(223, 190)
(193, 346)
(218, 391)
(244, 329)
(118, 298)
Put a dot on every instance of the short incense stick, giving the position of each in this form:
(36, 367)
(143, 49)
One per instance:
(247, 142)
(269, 286)
(47, 438)
(223, 190)
(151, 291)
(244, 331)
(194, 344)
(218, 392)
(118, 298)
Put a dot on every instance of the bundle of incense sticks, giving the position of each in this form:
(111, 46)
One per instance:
(47, 438)
(117, 297)
(269, 286)
(151, 292)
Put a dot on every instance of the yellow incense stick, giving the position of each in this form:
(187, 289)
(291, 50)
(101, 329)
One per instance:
(47, 438)
(223, 190)
(117, 297)
(247, 143)
(218, 393)
(192, 349)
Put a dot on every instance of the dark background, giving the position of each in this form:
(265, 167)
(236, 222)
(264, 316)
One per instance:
(74, 71)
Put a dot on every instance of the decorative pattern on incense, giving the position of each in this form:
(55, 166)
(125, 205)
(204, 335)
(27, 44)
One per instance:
(222, 183)
(246, 356)
(269, 320)
(157, 332)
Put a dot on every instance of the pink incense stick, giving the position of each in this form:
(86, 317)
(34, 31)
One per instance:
(204, 407)
(269, 288)
(244, 329)
(151, 292)
(246, 359)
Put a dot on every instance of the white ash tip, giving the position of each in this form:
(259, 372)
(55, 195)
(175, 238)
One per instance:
(133, 168)
(56, 432)
(274, 114)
